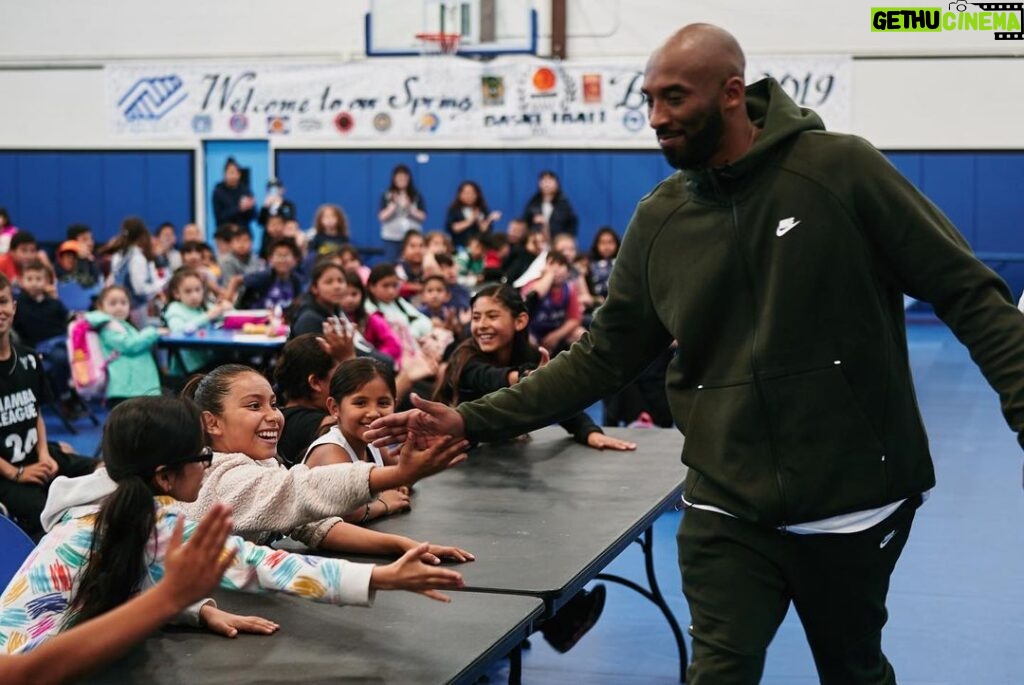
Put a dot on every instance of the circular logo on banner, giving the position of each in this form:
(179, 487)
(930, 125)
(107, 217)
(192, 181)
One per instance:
(544, 79)
(382, 122)
(238, 123)
(344, 122)
(428, 123)
(634, 120)
(202, 123)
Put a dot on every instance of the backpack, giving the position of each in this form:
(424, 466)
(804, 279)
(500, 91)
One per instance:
(88, 365)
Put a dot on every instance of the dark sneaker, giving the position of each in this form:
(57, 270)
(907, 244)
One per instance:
(572, 621)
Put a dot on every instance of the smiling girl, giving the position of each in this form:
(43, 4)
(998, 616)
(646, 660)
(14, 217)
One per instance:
(499, 355)
(268, 500)
(361, 391)
(101, 553)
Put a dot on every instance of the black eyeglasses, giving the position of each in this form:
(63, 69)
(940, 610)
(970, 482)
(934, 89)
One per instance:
(205, 457)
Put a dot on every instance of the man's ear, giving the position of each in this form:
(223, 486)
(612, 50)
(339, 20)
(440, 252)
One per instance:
(734, 93)
(211, 424)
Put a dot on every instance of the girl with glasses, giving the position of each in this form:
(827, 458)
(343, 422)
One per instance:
(100, 555)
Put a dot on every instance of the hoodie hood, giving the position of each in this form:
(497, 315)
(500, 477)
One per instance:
(780, 119)
(97, 319)
(78, 496)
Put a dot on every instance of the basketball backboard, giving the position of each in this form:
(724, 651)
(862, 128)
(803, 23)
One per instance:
(486, 28)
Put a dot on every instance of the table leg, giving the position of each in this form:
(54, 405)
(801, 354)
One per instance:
(515, 666)
(654, 596)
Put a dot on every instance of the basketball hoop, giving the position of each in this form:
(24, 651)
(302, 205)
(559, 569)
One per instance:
(440, 42)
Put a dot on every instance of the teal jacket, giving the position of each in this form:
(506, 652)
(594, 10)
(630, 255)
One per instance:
(781, 277)
(183, 319)
(132, 371)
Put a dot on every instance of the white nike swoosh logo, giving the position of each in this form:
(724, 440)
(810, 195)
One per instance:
(886, 539)
(786, 225)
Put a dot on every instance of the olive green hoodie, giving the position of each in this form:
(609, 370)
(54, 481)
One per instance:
(781, 276)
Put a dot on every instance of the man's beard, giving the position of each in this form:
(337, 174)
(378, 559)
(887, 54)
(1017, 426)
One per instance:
(700, 146)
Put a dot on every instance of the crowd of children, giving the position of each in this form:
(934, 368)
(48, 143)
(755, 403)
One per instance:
(456, 314)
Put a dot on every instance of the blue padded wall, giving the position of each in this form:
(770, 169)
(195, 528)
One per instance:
(44, 192)
(603, 186)
(979, 191)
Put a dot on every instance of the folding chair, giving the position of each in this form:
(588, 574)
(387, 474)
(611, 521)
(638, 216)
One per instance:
(16, 546)
(75, 297)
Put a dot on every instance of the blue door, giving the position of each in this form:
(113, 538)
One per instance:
(253, 156)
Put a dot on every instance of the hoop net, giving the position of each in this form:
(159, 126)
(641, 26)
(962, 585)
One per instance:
(439, 43)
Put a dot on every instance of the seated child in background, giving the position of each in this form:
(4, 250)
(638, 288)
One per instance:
(410, 265)
(373, 327)
(278, 285)
(438, 242)
(41, 322)
(23, 249)
(222, 239)
(496, 251)
(239, 261)
(293, 230)
(187, 312)
(555, 311)
(131, 369)
(458, 294)
(88, 271)
(434, 300)
(66, 266)
(471, 262)
(361, 390)
(566, 244)
(407, 323)
(191, 233)
(192, 258)
(350, 261)
(273, 231)
(602, 259)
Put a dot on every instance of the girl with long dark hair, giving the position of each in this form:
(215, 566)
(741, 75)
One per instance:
(499, 354)
(102, 551)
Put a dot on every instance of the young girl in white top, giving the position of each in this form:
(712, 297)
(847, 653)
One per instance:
(269, 501)
(361, 391)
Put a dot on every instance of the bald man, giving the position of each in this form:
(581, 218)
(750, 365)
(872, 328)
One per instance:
(777, 256)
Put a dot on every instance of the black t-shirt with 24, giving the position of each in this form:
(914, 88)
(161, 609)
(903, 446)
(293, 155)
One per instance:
(21, 391)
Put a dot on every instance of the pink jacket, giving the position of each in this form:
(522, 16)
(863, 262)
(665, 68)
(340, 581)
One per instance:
(379, 334)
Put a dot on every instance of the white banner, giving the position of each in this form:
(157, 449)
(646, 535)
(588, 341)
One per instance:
(416, 99)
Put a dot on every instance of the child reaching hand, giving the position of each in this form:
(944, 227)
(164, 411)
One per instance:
(131, 369)
(499, 354)
(98, 554)
(268, 500)
(361, 391)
